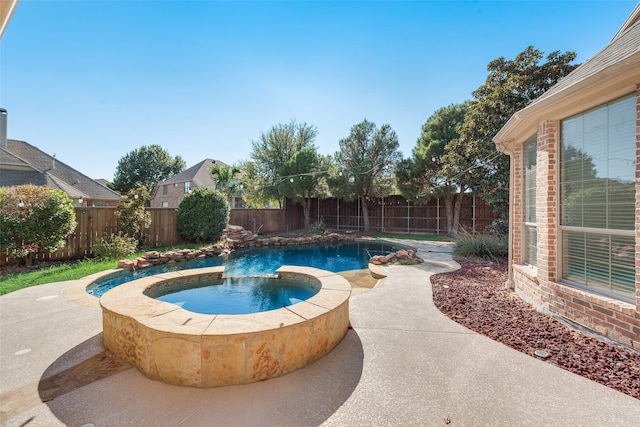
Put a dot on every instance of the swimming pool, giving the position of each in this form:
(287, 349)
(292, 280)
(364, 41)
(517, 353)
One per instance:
(259, 261)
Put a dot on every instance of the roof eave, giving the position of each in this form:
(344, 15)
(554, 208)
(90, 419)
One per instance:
(613, 82)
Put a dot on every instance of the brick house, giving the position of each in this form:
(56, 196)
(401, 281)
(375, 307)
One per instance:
(574, 244)
(169, 193)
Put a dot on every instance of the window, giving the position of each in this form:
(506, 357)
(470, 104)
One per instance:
(597, 190)
(530, 238)
(187, 187)
(165, 190)
(165, 204)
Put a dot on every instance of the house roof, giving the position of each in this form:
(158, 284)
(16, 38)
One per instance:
(199, 174)
(609, 74)
(22, 163)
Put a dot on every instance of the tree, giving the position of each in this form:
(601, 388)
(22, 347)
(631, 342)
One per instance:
(420, 177)
(364, 165)
(203, 215)
(146, 166)
(304, 178)
(227, 181)
(132, 216)
(34, 218)
(510, 86)
(273, 150)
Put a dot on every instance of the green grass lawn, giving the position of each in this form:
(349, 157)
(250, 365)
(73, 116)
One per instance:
(69, 271)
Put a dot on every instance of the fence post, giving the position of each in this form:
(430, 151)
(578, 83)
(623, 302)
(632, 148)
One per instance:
(408, 216)
(338, 214)
(358, 213)
(383, 214)
(438, 215)
(473, 214)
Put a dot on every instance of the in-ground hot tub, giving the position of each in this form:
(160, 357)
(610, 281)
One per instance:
(176, 346)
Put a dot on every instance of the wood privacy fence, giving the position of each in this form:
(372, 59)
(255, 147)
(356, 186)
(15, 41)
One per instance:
(94, 223)
(393, 214)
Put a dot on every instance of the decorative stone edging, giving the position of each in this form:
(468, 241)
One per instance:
(233, 237)
(173, 345)
(396, 257)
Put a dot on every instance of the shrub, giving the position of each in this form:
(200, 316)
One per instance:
(115, 246)
(203, 214)
(132, 215)
(499, 227)
(318, 227)
(34, 218)
(482, 246)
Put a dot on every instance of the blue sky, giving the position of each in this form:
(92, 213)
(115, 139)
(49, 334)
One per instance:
(90, 81)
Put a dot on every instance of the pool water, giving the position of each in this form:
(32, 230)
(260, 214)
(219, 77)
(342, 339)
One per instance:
(240, 295)
(265, 260)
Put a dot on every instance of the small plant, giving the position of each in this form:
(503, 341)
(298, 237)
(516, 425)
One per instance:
(318, 227)
(115, 246)
(482, 246)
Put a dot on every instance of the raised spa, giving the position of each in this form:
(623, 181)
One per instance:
(177, 346)
(236, 295)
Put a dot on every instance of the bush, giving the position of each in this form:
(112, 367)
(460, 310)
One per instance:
(318, 227)
(115, 246)
(499, 227)
(34, 218)
(132, 215)
(203, 214)
(482, 246)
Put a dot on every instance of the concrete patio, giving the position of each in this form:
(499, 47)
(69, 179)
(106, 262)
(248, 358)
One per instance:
(403, 363)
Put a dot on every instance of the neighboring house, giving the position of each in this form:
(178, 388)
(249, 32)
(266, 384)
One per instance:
(170, 193)
(575, 192)
(22, 163)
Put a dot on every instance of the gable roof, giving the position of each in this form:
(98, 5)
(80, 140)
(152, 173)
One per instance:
(609, 74)
(199, 174)
(22, 163)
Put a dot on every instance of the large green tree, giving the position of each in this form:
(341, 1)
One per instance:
(272, 151)
(304, 178)
(420, 177)
(510, 86)
(365, 164)
(146, 166)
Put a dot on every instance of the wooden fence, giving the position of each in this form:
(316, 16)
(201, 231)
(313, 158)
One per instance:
(393, 214)
(96, 222)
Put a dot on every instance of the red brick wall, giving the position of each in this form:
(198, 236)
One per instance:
(518, 205)
(547, 199)
(174, 195)
(615, 319)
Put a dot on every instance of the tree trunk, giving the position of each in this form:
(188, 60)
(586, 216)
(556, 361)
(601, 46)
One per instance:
(306, 208)
(448, 210)
(457, 207)
(365, 213)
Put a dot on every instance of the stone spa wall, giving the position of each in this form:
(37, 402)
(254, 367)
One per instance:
(176, 346)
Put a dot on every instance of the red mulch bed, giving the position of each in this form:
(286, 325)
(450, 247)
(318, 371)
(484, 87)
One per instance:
(475, 296)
